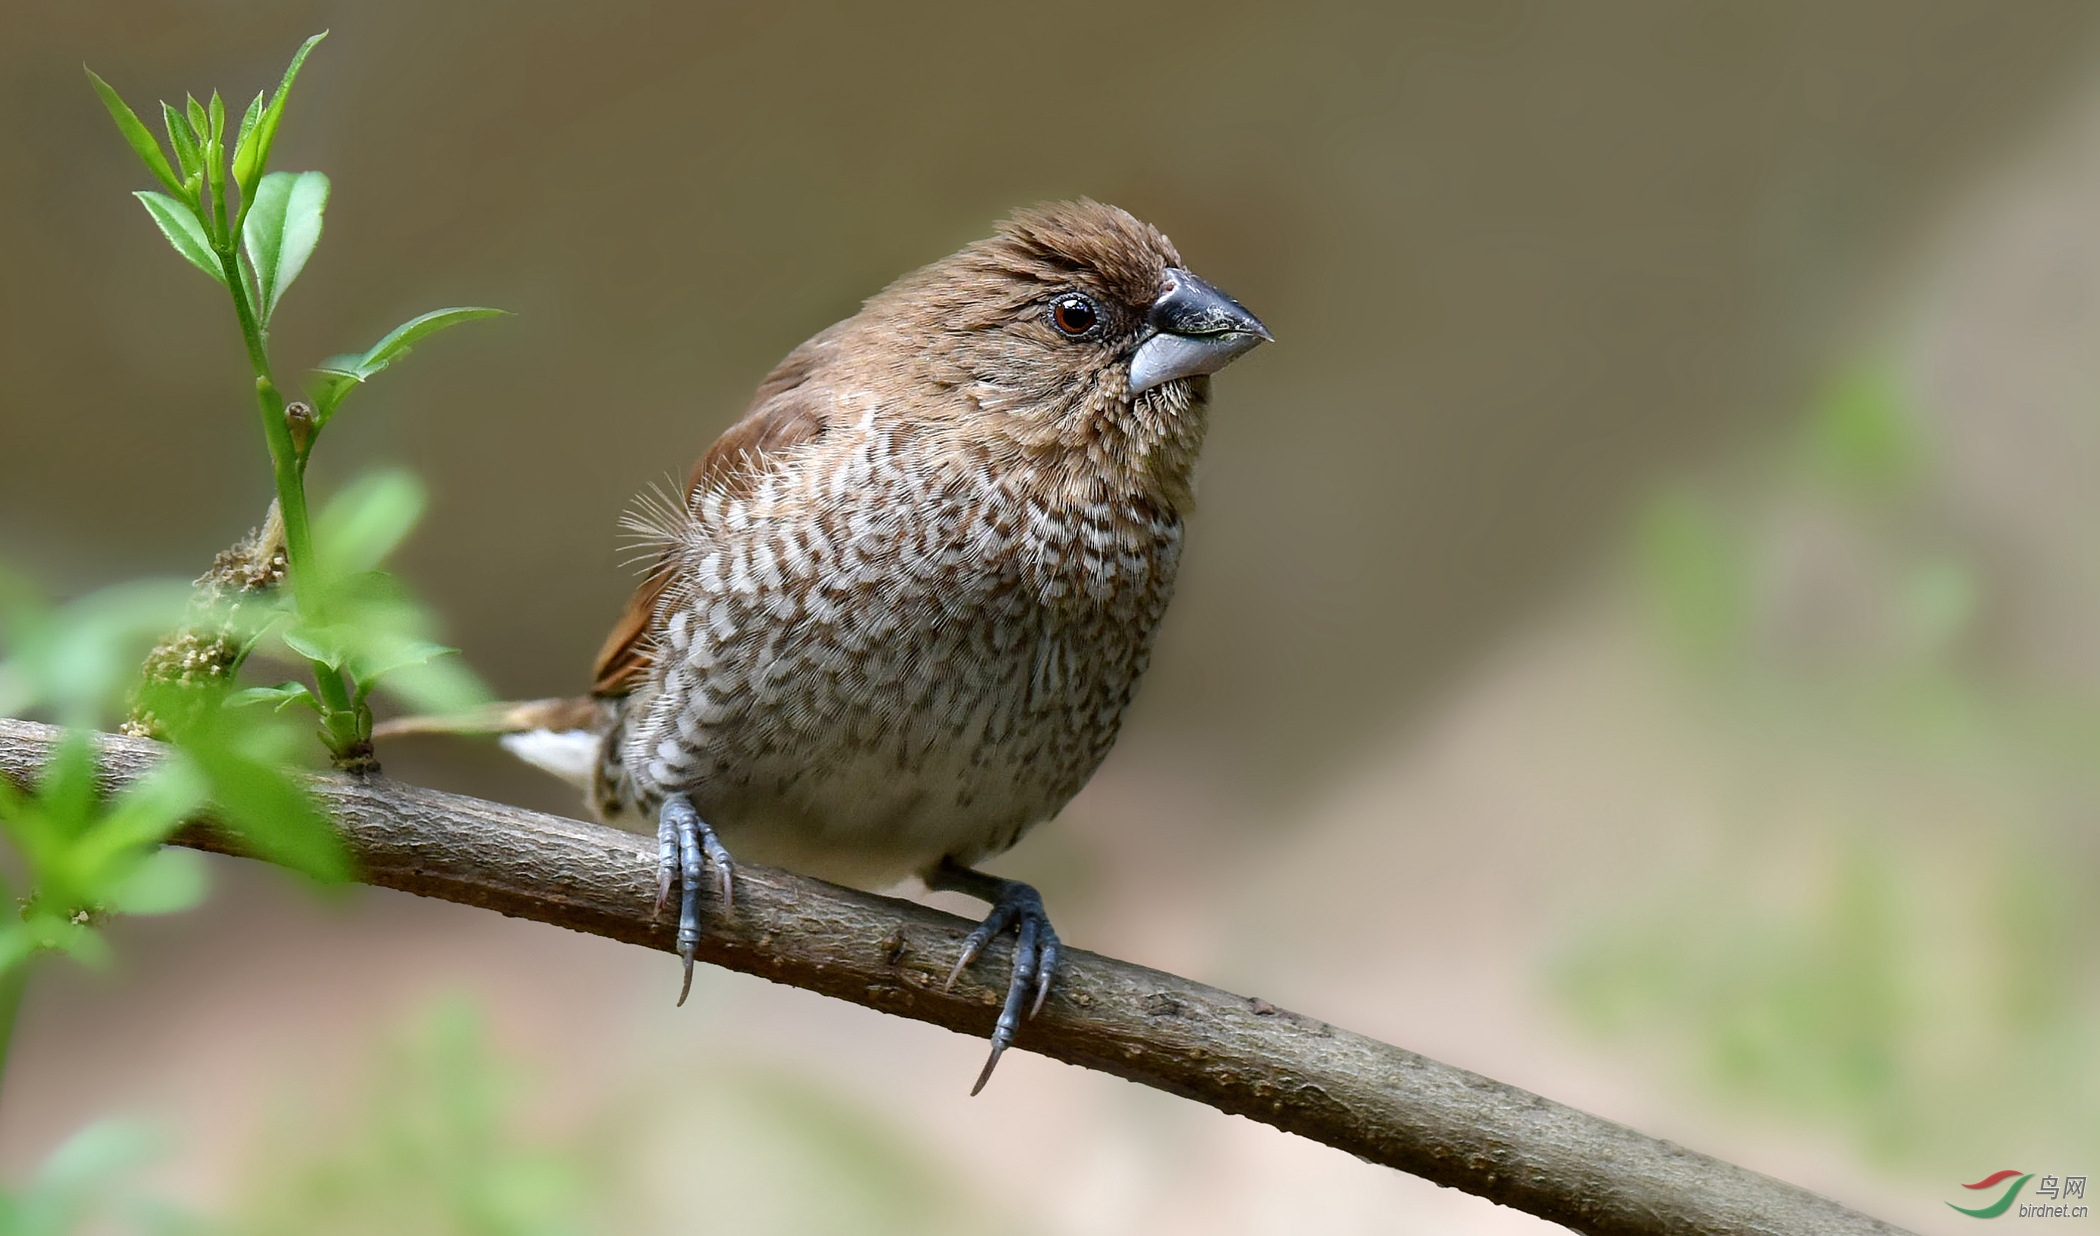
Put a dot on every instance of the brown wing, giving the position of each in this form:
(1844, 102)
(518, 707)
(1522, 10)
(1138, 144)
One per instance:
(787, 410)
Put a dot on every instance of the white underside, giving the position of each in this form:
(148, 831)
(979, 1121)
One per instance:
(571, 755)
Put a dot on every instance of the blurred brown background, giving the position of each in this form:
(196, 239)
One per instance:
(1565, 297)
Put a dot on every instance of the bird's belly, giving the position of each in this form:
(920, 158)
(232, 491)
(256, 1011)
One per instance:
(860, 820)
(868, 761)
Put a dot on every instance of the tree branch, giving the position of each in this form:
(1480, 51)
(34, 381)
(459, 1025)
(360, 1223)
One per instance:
(1239, 1055)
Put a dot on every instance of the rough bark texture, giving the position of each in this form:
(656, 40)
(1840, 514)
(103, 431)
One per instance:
(1237, 1054)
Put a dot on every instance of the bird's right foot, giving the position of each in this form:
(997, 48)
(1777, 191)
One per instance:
(1018, 907)
(682, 839)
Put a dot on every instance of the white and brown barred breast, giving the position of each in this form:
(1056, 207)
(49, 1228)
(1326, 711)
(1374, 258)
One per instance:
(880, 653)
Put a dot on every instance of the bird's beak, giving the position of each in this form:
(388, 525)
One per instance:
(1195, 329)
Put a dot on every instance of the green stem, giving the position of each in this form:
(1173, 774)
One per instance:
(13, 984)
(340, 716)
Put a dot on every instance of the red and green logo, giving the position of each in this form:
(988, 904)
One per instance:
(2005, 1200)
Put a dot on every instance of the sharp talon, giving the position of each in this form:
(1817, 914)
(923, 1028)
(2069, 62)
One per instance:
(666, 856)
(1036, 948)
(969, 954)
(725, 869)
(989, 1065)
(684, 843)
(1046, 965)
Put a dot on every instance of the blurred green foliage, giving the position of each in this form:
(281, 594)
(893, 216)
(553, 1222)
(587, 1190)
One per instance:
(74, 855)
(1898, 938)
(435, 1145)
(444, 1135)
(90, 1183)
(78, 855)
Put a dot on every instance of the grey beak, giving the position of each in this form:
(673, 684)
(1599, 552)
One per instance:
(1196, 329)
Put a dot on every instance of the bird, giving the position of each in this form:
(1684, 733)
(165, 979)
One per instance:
(894, 617)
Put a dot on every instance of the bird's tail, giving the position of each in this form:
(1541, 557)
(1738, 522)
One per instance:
(560, 736)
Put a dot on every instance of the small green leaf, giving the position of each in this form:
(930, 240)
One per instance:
(282, 697)
(83, 944)
(218, 119)
(270, 815)
(167, 881)
(91, 1160)
(330, 383)
(183, 140)
(184, 231)
(148, 811)
(397, 342)
(266, 127)
(66, 790)
(1863, 437)
(338, 374)
(365, 522)
(323, 644)
(136, 134)
(282, 227)
(240, 754)
(73, 662)
(199, 122)
(244, 173)
(439, 684)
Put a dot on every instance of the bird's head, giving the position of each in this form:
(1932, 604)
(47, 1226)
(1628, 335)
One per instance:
(1073, 336)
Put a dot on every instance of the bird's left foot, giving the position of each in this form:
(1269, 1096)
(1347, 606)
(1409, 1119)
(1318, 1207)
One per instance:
(682, 839)
(1036, 946)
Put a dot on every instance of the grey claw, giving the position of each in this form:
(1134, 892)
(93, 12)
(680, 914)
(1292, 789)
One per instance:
(1036, 952)
(684, 842)
(666, 858)
(1044, 969)
(989, 1065)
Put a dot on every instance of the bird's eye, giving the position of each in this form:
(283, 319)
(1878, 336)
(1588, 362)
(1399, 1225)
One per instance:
(1074, 314)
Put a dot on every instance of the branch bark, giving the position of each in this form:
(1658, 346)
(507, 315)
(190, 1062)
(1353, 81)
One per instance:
(1239, 1055)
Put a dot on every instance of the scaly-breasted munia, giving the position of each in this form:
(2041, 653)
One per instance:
(895, 619)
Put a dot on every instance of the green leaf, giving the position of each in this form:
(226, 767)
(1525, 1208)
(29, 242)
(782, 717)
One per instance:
(315, 643)
(270, 815)
(218, 120)
(265, 132)
(184, 141)
(338, 374)
(240, 756)
(437, 684)
(184, 231)
(398, 341)
(405, 655)
(147, 813)
(66, 790)
(1863, 437)
(74, 662)
(282, 226)
(283, 697)
(244, 151)
(83, 944)
(90, 1160)
(140, 139)
(200, 123)
(168, 880)
(365, 522)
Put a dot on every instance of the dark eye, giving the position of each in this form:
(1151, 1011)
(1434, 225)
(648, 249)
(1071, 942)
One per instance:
(1074, 314)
